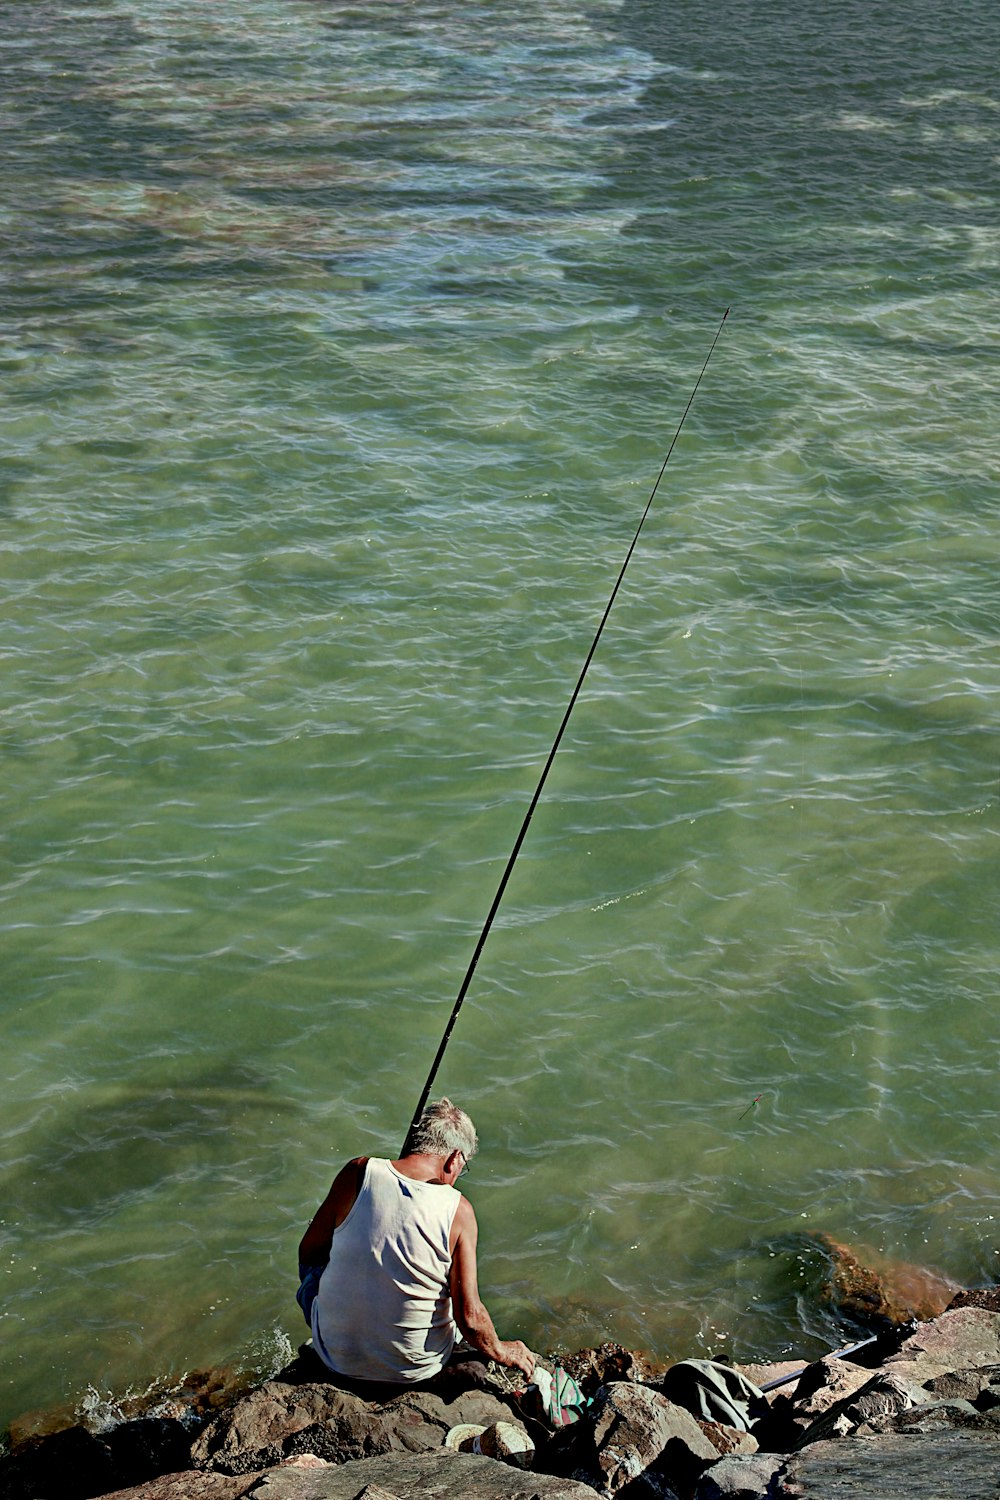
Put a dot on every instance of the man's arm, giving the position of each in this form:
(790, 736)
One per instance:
(471, 1316)
(314, 1248)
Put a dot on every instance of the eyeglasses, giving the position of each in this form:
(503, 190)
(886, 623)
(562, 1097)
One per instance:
(465, 1165)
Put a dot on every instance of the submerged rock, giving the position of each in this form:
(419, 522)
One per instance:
(592, 1368)
(875, 1292)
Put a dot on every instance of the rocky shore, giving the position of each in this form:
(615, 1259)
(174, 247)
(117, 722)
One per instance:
(913, 1415)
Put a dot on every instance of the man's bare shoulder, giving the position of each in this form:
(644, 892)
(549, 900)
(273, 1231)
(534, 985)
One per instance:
(465, 1216)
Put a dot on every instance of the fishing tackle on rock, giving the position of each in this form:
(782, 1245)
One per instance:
(551, 757)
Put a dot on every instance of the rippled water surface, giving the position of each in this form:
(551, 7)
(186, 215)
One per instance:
(341, 346)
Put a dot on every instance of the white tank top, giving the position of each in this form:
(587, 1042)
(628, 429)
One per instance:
(383, 1309)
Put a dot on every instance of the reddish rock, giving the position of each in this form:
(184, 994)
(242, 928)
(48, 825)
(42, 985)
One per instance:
(592, 1368)
(875, 1291)
(988, 1298)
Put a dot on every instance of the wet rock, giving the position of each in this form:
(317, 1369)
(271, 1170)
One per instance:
(988, 1298)
(633, 1439)
(147, 1446)
(40, 1423)
(71, 1464)
(874, 1292)
(607, 1364)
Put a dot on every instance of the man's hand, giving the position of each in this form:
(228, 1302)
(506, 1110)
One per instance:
(516, 1356)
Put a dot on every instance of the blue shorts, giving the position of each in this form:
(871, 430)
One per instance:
(308, 1287)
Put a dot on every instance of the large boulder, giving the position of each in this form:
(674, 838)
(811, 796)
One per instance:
(823, 1385)
(260, 1429)
(885, 1394)
(965, 1338)
(67, 1465)
(632, 1440)
(73, 1463)
(742, 1476)
(279, 1421)
(874, 1292)
(915, 1467)
(443, 1475)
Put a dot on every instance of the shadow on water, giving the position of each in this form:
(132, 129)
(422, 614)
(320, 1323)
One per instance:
(114, 1145)
(959, 909)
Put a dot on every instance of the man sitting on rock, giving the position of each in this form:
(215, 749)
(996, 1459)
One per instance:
(388, 1264)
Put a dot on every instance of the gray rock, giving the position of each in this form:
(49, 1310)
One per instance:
(933, 1467)
(192, 1484)
(981, 1387)
(420, 1422)
(443, 1475)
(633, 1436)
(742, 1476)
(726, 1440)
(279, 1421)
(826, 1383)
(935, 1415)
(262, 1428)
(885, 1394)
(964, 1339)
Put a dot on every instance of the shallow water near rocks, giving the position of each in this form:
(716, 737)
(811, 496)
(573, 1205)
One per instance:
(342, 345)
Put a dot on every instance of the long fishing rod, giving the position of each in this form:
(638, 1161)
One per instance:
(551, 757)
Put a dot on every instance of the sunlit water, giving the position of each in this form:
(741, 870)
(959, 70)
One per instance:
(342, 344)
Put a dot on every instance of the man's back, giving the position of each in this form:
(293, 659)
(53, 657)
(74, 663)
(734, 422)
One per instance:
(383, 1309)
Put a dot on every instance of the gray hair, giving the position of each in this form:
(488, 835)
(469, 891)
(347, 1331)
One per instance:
(444, 1128)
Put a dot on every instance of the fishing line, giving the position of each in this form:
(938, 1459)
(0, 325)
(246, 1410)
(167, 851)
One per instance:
(551, 757)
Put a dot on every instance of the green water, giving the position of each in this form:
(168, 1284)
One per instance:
(341, 346)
